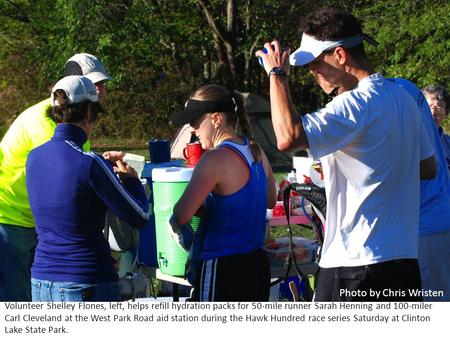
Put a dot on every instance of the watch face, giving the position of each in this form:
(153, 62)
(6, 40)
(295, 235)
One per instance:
(277, 71)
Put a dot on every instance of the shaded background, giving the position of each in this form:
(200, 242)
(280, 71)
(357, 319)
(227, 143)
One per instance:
(159, 52)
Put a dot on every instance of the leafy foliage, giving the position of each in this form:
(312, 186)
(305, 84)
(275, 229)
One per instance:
(414, 38)
(159, 51)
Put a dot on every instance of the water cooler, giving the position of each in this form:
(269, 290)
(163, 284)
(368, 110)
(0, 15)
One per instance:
(147, 235)
(168, 186)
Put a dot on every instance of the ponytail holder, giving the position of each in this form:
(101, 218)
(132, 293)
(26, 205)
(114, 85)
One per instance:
(235, 104)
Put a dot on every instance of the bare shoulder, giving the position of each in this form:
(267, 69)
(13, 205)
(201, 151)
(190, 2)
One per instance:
(211, 160)
(217, 160)
(218, 154)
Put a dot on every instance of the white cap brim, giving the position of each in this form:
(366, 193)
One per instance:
(310, 48)
(98, 76)
(302, 57)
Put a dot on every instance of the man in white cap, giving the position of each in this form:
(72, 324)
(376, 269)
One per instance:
(373, 151)
(91, 67)
(30, 129)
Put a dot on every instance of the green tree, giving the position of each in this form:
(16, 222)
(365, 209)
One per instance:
(159, 51)
(414, 38)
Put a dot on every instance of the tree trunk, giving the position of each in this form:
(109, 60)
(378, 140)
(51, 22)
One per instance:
(225, 39)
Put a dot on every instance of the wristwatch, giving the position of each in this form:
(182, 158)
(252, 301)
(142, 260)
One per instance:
(277, 71)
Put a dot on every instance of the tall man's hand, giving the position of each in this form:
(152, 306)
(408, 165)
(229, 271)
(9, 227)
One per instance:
(275, 56)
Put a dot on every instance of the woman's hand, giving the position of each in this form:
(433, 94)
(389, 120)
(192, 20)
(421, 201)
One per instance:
(124, 170)
(113, 156)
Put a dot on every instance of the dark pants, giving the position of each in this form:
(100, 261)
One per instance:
(242, 277)
(17, 245)
(396, 280)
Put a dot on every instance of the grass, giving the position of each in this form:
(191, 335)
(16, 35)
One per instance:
(297, 231)
(138, 151)
(280, 176)
(132, 146)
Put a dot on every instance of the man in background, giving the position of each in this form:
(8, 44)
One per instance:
(434, 224)
(439, 102)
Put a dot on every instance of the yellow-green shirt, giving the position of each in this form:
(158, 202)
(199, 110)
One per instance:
(31, 128)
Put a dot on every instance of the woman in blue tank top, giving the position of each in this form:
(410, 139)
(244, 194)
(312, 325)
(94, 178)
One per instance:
(234, 183)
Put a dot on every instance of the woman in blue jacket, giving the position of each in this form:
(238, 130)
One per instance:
(69, 192)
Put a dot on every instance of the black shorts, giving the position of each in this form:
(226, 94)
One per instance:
(242, 277)
(396, 280)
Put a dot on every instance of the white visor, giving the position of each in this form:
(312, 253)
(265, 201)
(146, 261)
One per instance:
(310, 48)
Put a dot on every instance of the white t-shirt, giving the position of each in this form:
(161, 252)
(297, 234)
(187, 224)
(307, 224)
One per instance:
(370, 142)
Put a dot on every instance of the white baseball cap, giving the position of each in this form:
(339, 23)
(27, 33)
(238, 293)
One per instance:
(87, 65)
(77, 88)
(310, 47)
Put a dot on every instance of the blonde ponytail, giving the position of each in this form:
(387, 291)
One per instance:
(244, 126)
(238, 118)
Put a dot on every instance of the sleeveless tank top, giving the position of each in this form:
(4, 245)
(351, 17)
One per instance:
(235, 224)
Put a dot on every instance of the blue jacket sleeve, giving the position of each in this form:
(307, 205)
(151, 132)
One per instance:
(127, 201)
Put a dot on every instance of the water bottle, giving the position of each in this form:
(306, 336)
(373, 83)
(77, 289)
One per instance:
(292, 177)
(260, 59)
